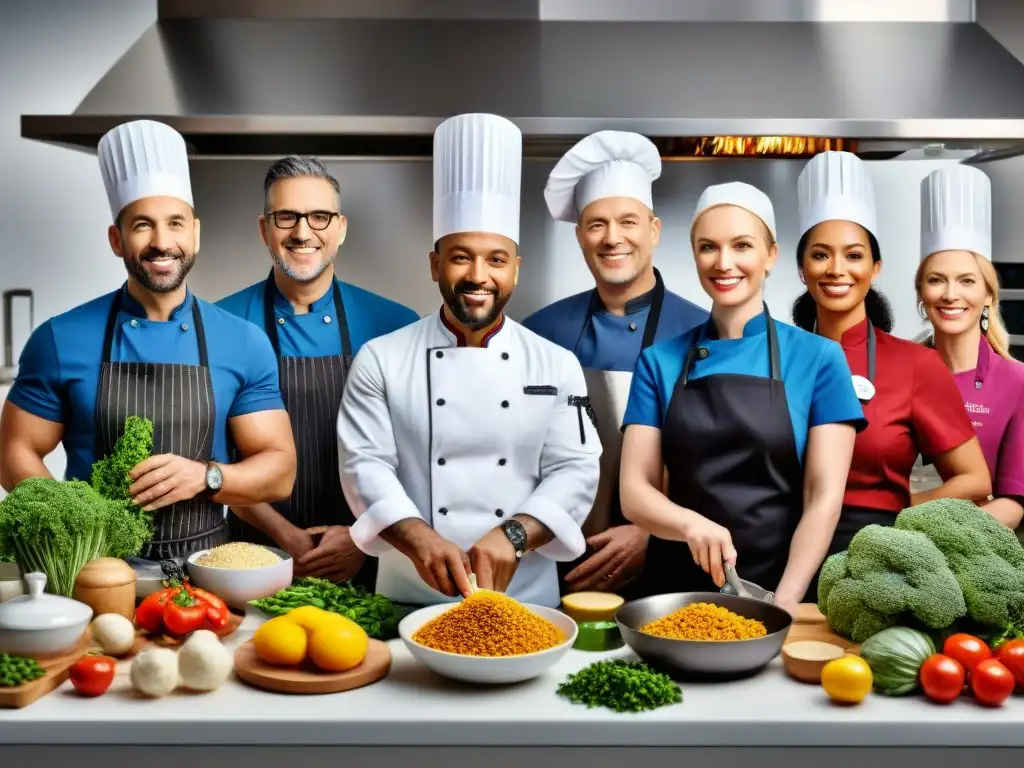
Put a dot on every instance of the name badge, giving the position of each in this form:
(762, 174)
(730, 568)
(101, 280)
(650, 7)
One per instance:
(865, 389)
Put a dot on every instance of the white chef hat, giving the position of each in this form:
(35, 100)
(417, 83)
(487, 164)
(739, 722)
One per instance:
(478, 163)
(143, 159)
(836, 186)
(741, 195)
(956, 211)
(604, 164)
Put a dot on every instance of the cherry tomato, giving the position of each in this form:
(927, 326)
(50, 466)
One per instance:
(181, 619)
(942, 678)
(992, 683)
(1011, 656)
(92, 675)
(967, 649)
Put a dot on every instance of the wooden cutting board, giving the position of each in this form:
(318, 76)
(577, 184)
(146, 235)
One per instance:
(811, 625)
(57, 671)
(234, 622)
(306, 679)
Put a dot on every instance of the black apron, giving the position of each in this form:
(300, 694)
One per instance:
(852, 519)
(179, 400)
(600, 387)
(312, 388)
(728, 446)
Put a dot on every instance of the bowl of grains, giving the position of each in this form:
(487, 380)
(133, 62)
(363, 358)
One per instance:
(488, 638)
(239, 572)
(706, 633)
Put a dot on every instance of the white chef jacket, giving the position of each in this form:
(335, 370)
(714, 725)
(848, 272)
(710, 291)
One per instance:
(464, 438)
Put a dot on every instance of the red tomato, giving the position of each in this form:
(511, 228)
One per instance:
(942, 678)
(967, 649)
(216, 619)
(209, 598)
(181, 619)
(92, 675)
(992, 683)
(1011, 656)
(150, 613)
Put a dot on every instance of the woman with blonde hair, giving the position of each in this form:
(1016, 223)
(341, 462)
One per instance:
(754, 421)
(958, 290)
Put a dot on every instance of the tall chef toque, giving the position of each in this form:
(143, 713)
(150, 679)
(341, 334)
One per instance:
(143, 159)
(740, 195)
(956, 211)
(836, 186)
(604, 164)
(478, 161)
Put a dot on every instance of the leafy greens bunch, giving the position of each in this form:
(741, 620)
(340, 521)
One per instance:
(56, 527)
(111, 475)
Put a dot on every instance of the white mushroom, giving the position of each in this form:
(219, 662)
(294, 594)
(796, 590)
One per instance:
(204, 663)
(155, 671)
(113, 633)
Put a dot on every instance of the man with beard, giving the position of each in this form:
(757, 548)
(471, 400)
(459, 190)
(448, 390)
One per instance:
(603, 186)
(316, 324)
(206, 379)
(466, 441)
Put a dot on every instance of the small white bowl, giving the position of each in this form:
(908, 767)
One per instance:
(486, 669)
(238, 586)
(40, 625)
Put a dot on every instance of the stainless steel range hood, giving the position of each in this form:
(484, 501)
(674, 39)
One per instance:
(375, 77)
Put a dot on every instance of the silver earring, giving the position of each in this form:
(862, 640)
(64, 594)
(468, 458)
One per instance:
(984, 320)
(922, 311)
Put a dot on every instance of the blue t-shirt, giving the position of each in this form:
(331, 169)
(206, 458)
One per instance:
(819, 389)
(611, 342)
(59, 369)
(313, 334)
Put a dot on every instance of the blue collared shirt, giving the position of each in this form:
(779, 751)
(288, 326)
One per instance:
(59, 369)
(819, 389)
(315, 334)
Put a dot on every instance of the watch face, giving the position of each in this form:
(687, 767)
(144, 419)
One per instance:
(517, 535)
(214, 477)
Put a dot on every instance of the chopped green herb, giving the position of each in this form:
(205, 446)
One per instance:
(622, 686)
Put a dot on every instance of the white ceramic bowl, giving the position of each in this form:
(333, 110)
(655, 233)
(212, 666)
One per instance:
(39, 625)
(237, 586)
(486, 669)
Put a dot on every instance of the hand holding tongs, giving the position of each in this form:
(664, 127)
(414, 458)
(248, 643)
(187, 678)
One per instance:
(737, 586)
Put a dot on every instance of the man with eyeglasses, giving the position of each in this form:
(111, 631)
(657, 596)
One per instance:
(316, 324)
(205, 379)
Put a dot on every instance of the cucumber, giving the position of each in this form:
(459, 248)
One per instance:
(598, 636)
(895, 656)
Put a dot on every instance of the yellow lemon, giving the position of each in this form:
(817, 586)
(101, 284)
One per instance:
(338, 646)
(847, 680)
(281, 642)
(309, 617)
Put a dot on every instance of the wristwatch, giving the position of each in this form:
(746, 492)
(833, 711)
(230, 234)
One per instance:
(214, 477)
(516, 533)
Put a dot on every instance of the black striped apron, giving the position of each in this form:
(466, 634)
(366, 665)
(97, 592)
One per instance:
(312, 388)
(179, 400)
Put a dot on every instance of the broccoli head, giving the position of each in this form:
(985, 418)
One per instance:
(985, 556)
(111, 474)
(888, 577)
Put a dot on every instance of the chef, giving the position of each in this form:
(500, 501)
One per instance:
(959, 293)
(910, 400)
(754, 421)
(467, 443)
(316, 323)
(603, 186)
(205, 378)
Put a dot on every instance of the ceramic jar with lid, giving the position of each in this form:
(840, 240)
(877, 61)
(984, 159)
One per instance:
(107, 585)
(38, 625)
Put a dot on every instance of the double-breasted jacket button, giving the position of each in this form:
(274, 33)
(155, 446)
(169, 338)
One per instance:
(504, 355)
(443, 510)
(439, 354)
(441, 461)
(499, 513)
(502, 462)
(440, 401)
(504, 403)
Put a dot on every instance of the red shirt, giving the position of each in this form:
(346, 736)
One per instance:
(917, 409)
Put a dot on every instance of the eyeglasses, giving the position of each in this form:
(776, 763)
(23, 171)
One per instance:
(318, 220)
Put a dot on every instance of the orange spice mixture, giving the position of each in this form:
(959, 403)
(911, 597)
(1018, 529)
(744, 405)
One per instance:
(489, 624)
(705, 621)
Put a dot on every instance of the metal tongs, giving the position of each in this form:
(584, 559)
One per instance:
(737, 586)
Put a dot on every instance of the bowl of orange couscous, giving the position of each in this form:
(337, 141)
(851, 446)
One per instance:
(704, 632)
(488, 638)
(238, 572)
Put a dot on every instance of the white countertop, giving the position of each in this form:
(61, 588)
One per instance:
(414, 707)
